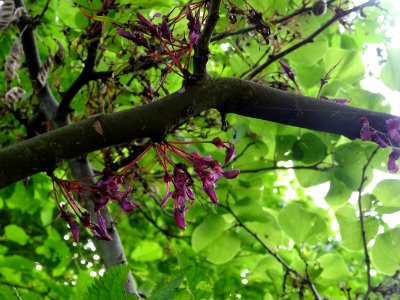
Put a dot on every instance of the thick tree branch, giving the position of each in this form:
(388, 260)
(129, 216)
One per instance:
(339, 14)
(200, 57)
(228, 95)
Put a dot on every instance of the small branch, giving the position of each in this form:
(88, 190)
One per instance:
(38, 19)
(200, 58)
(300, 11)
(315, 167)
(310, 283)
(362, 224)
(339, 14)
(288, 268)
(94, 31)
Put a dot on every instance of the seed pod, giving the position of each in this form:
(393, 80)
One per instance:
(20, 12)
(13, 96)
(6, 13)
(60, 55)
(13, 62)
(319, 8)
(43, 73)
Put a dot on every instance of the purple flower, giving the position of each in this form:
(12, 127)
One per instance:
(108, 190)
(147, 24)
(100, 231)
(341, 101)
(136, 37)
(377, 139)
(392, 166)
(393, 125)
(164, 28)
(230, 153)
(288, 70)
(73, 225)
(85, 219)
(179, 216)
(194, 26)
(365, 132)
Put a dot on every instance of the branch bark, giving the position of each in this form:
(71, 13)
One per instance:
(200, 58)
(228, 95)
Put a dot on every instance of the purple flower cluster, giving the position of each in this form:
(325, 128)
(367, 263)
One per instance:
(109, 187)
(208, 170)
(384, 139)
(171, 48)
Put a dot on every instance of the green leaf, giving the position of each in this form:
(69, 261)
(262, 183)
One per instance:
(110, 286)
(16, 234)
(147, 251)
(208, 231)
(351, 67)
(384, 253)
(223, 249)
(387, 192)
(390, 74)
(338, 193)
(334, 269)
(309, 149)
(350, 230)
(166, 290)
(310, 54)
(301, 225)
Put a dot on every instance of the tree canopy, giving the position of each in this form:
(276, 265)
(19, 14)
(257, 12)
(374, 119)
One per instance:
(215, 149)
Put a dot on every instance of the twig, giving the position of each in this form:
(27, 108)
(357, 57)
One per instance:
(314, 167)
(288, 268)
(339, 14)
(310, 283)
(200, 57)
(300, 11)
(362, 223)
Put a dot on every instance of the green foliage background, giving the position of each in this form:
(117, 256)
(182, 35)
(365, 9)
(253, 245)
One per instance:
(224, 253)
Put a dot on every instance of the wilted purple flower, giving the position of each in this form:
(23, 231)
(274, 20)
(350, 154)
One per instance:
(85, 219)
(100, 231)
(179, 216)
(341, 101)
(393, 157)
(73, 225)
(209, 172)
(393, 125)
(288, 70)
(365, 132)
(108, 190)
(164, 28)
(182, 182)
(230, 151)
(218, 142)
(136, 37)
(379, 140)
(194, 26)
(147, 24)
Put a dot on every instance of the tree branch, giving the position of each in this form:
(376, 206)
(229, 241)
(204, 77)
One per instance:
(362, 224)
(339, 14)
(94, 32)
(275, 255)
(200, 57)
(228, 95)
